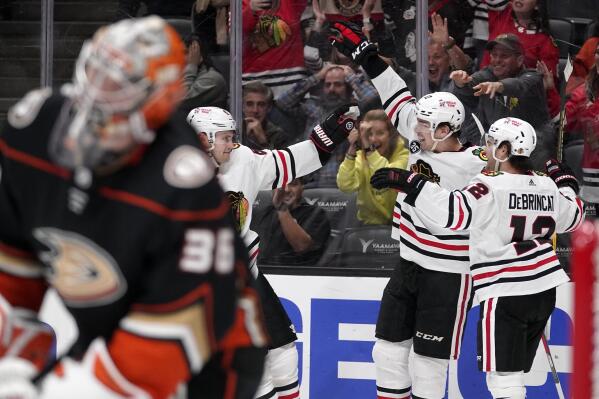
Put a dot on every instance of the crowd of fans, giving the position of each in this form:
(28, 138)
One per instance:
(498, 57)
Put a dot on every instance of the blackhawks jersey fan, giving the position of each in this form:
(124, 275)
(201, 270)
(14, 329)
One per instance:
(511, 213)
(109, 199)
(425, 303)
(243, 173)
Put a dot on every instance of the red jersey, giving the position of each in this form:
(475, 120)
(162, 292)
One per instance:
(537, 45)
(273, 49)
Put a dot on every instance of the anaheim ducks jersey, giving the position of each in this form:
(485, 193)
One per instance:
(146, 258)
(249, 171)
(423, 241)
(511, 218)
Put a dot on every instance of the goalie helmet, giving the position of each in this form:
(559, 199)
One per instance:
(441, 107)
(126, 85)
(211, 120)
(519, 133)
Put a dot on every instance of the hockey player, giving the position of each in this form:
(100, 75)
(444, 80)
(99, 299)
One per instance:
(243, 173)
(511, 213)
(109, 199)
(425, 303)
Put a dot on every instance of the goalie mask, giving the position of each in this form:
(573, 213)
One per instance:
(518, 133)
(438, 108)
(211, 120)
(126, 85)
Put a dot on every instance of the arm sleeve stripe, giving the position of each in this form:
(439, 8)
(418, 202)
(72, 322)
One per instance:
(275, 183)
(291, 162)
(284, 167)
(577, 215)
(460, 214)
(394, 109)
(393, 97)
(450, 211)
(469, 211)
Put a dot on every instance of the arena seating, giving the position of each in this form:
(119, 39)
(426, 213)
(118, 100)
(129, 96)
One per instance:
(369, 246)
(562, 31)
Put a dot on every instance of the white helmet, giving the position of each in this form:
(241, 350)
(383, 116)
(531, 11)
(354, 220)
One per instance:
(211, 120)
(519, 133)
(441, 107)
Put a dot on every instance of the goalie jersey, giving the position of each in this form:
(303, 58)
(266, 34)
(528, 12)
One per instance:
(249, 171)
(511, 218)
(131, 254)
(422, 241)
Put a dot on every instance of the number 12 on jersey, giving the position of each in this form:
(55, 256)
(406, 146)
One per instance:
(541, 224)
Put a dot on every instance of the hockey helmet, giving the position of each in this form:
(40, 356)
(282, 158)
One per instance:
(441, 107)
(126, 85)
(211, 120)
(519, 133)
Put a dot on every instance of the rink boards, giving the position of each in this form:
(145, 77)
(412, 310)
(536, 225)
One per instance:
(335, 320)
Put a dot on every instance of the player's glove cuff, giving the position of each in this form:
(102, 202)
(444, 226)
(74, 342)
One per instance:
(351, 42)
(408, 182)
(331, 132)
(562, 175)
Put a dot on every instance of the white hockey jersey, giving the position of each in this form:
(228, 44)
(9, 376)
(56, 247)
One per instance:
(249, 171)
(423, 241)
(511, 218)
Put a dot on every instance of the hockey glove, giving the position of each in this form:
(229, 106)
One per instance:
(351, 42)
(332, 131)
(406, 181)
(561, 174)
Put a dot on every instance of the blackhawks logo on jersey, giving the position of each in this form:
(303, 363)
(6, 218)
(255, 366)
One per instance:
(239, 208)
(425, 169)
(480, 152)
(491, 173)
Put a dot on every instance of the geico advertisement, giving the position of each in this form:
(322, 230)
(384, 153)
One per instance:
(335, 321)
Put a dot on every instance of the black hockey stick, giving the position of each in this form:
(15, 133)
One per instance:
(558, 385)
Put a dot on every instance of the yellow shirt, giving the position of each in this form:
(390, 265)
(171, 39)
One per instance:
(374, 206)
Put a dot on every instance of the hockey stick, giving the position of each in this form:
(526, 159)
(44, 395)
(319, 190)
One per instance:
(558, 385)
(562, 113)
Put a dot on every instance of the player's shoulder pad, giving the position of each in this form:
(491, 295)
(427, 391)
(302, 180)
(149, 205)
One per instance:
(188, 167)
(480, 153)
(490, 173)
(24, 112)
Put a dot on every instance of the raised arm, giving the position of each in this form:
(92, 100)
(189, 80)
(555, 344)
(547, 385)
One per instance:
(397, 100)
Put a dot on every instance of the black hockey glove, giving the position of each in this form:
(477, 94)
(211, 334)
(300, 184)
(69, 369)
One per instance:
(332, 131)
(406, 181)
(561, 174)
(351, 42)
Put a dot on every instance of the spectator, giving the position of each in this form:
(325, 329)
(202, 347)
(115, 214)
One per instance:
(166, 9)
(376, 144)
(478, 36)
(582, 114)
(584, 60)
(209, 19)
(292, 231)
(258, 132)
(205, 85)
(403, 13)
(341, 85)
(272, 45)
(507, 88)
(529, 22)
(368, 14)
